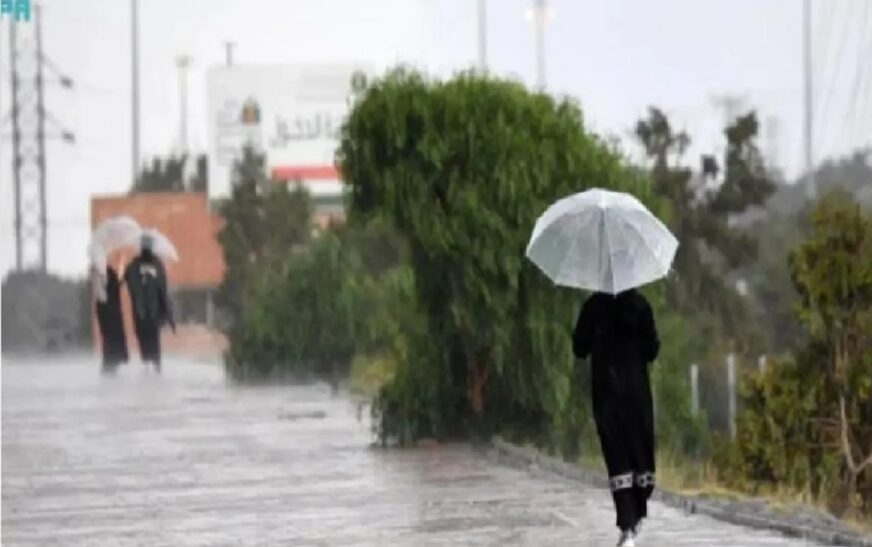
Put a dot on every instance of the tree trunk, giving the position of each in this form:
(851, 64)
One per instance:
(854, 468)
(478, 375)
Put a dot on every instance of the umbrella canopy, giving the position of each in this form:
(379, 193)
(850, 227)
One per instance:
(112, 234)
(161, 244)
(602, 241)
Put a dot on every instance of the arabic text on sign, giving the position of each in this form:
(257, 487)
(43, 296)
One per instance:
(316, 127)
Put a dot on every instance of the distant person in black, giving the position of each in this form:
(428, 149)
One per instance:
(107, 289)
(147, 282)
(619, 333)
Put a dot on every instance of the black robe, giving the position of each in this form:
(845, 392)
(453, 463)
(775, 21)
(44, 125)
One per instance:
(147, 282)
(111, 323)
(619, 333)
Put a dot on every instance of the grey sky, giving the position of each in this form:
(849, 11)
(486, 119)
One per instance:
(615, 57)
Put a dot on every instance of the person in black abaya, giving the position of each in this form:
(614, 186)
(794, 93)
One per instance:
(147, 282)
(110, 320)
(620, 335)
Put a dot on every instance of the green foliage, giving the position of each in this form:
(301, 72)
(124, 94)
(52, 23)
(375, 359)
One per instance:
(463, 168)
(779, 441)
(832, 272)
(370, 373)
(303, 307)
(263, 222)
(169, 175)
(793, 432)
(678, 430)
(711, 247)
(301, 318)
(703, 206)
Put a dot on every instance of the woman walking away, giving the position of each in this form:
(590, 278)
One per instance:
(619, 334)
(107, 291)
(147, 283)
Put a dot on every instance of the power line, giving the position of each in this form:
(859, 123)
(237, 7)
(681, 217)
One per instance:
(811, 187)
(134, 54)
(832, 79)
(857, 106)
(29, 116)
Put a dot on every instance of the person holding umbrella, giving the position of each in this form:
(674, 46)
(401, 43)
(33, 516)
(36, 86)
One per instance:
(112, 234)
(609, 243)
(106, 289)
(147, 282)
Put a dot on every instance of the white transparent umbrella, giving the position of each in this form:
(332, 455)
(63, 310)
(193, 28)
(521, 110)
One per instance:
(161, 245)
(112, 234)
(602, 241)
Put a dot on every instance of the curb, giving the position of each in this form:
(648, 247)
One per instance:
(518, 455)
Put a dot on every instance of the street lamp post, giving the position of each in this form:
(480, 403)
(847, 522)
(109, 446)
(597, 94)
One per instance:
(540, 43)
(540, 14)
(183, 62)
(482, 35)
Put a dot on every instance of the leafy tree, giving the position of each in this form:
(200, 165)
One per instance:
(713, 249)
(779, 442)
(832, 272)
(784, 226)
(807, 421)
(308, 315)
(169, 175)
(263, 222)
(302, 317)
(462, 169)
(199, 181)
(701, 217)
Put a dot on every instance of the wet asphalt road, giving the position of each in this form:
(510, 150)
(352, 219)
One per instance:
(185, 459)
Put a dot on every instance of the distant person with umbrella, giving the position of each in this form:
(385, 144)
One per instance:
(147, 282)
(110, 321)
(609, 243)
(112, 234)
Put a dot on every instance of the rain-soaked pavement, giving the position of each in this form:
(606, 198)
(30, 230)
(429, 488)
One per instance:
(184, 459)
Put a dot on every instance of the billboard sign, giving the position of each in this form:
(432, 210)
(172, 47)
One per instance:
(293, 114)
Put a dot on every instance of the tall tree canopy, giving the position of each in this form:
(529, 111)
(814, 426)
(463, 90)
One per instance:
(703, 206)
(172, 175)
(263, 221)
(463, 168)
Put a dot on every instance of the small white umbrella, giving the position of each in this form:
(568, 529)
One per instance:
(602, 241)
(161, 245)
(113, 233)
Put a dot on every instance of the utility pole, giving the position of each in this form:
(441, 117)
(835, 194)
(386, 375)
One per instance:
(183, 62)
(482, 35)
(16, 146)
(811, 184)
(29, 116)
(228, 46)
(134, 88)
(540, 13)
(40, 138)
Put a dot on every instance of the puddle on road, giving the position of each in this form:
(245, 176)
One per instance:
(295, 416)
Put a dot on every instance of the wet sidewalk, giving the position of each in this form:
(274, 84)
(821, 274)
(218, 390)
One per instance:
(185, 459)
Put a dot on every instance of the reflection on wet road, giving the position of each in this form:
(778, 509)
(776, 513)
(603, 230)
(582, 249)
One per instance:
(185, 459)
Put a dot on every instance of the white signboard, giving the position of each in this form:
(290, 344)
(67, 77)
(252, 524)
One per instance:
(293, 114)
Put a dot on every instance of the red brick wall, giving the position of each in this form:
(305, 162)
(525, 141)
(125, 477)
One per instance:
(185, 219)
